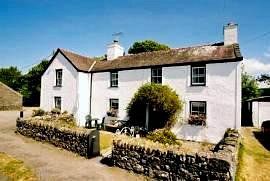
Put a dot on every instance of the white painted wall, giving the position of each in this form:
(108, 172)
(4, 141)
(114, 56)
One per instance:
(83, 95)
(128, 83)
(260, 113)
(222, 93)
(67, 92)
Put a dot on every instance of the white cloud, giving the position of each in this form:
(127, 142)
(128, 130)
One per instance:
(256, 67)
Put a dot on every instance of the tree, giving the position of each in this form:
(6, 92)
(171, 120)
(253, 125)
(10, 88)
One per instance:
(264, 78)
(146, 46)
(163, 103)
(250, 88)
(32, 84)
(12, 77)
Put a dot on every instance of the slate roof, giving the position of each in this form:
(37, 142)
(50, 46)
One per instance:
(80, 62)
(213, 53)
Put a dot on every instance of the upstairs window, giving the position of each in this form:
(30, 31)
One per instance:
(156, 75)
(198, 108)
(114, 79)
(59, 73)
(198, 75)
(57, 102)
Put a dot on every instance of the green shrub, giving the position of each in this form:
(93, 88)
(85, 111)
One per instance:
(55, 111)
(164, 136)
(164, 106)
(38, 112)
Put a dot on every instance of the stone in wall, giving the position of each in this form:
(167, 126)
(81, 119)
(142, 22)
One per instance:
(219, 165)
(80, 143)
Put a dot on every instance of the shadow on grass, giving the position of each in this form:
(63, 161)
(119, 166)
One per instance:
(264, 139)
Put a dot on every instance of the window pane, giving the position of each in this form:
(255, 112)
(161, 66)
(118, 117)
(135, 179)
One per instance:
(198, 75)
(201, 80)
(114, 79)
(198, 108)
(114, 104)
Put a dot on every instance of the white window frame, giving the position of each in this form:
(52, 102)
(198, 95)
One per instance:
(156, 74)
(59, 77)
(56, 99)
(198, 75)
(111, 103)
(114, 79)
(199, 103)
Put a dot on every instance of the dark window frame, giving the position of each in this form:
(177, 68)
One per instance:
(55, 102)
(114, 81)
(154, 78)
(111, 101)
(191, 74)
(190, 107)
(58, 80)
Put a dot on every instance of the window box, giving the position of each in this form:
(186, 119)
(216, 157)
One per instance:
(197, 120)
(197, 113)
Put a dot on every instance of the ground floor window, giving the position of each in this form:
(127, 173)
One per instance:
(197, 113)
(57, 102)
(114, 107)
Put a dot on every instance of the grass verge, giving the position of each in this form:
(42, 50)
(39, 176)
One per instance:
(253, 158)
(15, 169)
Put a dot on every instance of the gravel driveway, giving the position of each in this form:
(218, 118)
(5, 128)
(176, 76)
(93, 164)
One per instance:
(51, 163)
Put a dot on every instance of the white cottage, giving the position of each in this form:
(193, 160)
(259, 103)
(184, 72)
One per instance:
(207, 78)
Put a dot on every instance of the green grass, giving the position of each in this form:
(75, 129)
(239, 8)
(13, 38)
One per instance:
(106, 140)
(253, 158)
(15, 169)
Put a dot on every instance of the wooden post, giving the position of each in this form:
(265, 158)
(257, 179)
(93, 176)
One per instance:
(147, 116)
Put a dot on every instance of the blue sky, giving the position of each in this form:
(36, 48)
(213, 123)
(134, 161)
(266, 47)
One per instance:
(30, 30)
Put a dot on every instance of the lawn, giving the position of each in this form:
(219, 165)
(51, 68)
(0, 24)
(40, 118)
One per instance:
(254, 158)
(14, 169)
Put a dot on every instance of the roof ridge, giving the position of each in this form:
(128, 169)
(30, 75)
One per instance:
(178, 48)
(75, 53)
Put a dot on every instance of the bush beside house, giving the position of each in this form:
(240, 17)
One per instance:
(163, 102)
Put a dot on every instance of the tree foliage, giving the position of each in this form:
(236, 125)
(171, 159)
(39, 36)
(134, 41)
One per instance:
(28, 84)
(264, 78)
(32, 84)
(250, 87)
(12, 77)
(164, 106)
(146, 46)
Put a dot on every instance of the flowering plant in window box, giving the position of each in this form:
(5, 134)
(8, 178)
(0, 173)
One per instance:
(112, 113)
(198, 120)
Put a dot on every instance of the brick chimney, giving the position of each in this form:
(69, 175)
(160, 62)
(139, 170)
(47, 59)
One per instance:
(230, 32)
(114, 50)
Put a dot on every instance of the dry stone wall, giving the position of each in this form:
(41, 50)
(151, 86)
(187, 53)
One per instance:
(80, 143)
(219, 164)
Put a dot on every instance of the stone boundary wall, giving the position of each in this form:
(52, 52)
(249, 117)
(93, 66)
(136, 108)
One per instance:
(218, 164)
(85, 144)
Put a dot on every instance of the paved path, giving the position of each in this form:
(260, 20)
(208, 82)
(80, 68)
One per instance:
(51, 163)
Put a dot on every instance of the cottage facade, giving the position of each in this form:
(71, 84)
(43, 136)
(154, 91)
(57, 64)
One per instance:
(207, 78)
